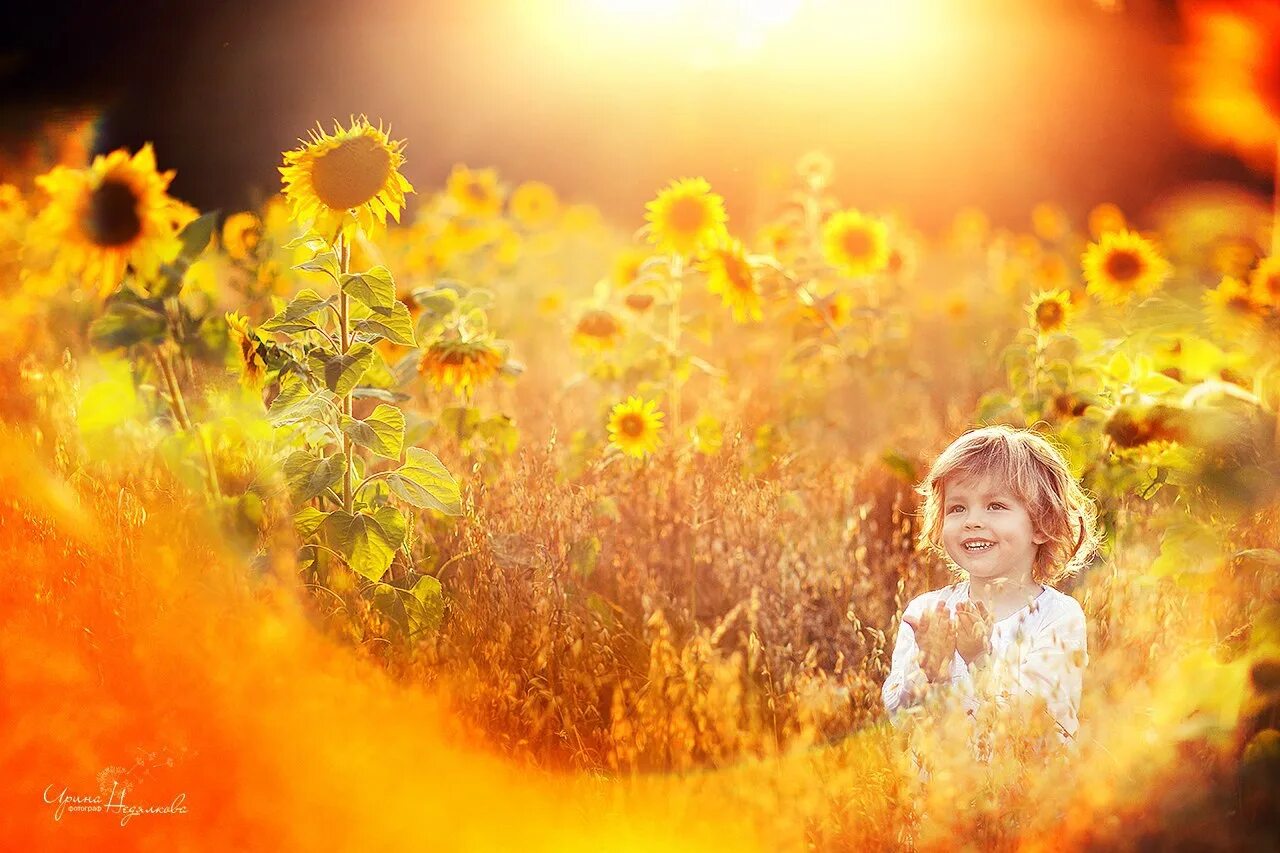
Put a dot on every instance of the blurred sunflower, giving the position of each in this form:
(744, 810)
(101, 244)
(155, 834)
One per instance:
(854, 243)
(533, 204)
(1121, 265)
(1231, 73)
(626, 265)
(732, 279)
(1049, 222)
(1050, 311)
(597, 329)
(1104, 218)
(685, 217)
(969, 229)
(815, 169)
(634, 426)
(1265, 281)
(241, 234)
(777, 239)
(347, 181)
(476, 193)
(1231, 309)
(251, 348)
(460, 362)
(114, 214)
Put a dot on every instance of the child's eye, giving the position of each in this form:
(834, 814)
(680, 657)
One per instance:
(954, 508)
(998, 505)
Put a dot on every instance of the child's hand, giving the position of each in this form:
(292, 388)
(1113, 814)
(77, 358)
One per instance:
(936, 637)
(973, 630)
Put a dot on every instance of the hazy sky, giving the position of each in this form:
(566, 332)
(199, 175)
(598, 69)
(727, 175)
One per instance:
(939, 104)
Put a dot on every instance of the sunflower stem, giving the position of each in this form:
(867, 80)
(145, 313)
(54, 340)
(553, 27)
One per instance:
(673, 332)
(344, 331)
(178, 406)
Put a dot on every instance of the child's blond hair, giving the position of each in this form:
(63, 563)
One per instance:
(1039, 477)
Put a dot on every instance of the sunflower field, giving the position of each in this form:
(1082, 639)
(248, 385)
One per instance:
(447, 513)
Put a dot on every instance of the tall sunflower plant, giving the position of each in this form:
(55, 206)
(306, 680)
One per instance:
(340, 184)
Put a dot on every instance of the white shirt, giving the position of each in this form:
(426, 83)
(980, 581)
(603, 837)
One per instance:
(1040, 650)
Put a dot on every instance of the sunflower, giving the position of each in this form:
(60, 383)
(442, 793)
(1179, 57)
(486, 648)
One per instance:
(460, 362)
(1231, 75)
(241, 234)
(685, 217)
(1104, 218)
(597, 329)
(476, 193)
(251, 349)
(533, 204)
(1050, 311)
(113, 214)
(626, 265)
(855, 244)
(777, 238)
(347, 181)
(815, 169)
(1049, 222)
(1265, 281)
(634, 426)
(731, 277)
(1231, 309)
(1121, 265)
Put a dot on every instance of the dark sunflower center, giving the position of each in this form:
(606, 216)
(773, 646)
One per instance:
(112, 217)
(1123, 266)
(1240, 304)
(598, 324)
(478, 191)
(687, 215)
(1049, 315)
(351, 174)
(856, 243)
(738, 273)
(631, 425)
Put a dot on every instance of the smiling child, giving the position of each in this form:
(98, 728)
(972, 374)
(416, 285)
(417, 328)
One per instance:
(1004, 510)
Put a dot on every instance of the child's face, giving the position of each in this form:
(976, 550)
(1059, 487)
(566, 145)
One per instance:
(986, 529)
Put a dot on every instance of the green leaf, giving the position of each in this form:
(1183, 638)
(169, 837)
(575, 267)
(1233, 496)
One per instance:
(435, 302)
(392, 603)
(901, 465)
(296, 403)
(309, 475)
(374, 288)
(325, 262)
(584, 555)
(424, 482)
(368, 540)
(382, 432)
(380, 394)
(425, 605)
(195, 236)
(308, 520)
(462, 421)
(342, 372)
(306, 303)
(126, 324)
(289, 327)
(392, 323)
(500, 432)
